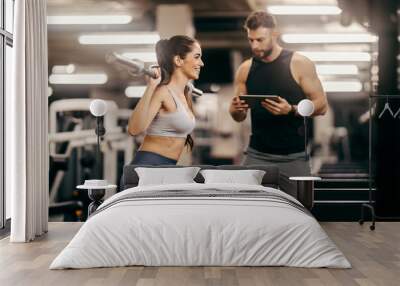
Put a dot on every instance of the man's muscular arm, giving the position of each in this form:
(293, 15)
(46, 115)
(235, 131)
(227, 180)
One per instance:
(310, 83)
(238, 108)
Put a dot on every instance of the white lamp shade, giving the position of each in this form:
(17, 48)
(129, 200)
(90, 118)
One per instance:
(98, 107)
(305, 107)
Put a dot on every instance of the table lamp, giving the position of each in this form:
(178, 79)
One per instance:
(98, 108)
(97, 188)
(305, 108)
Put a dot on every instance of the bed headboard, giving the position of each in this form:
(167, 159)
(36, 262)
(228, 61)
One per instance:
(270, 179)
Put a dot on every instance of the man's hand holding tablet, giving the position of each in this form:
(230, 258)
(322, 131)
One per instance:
(273, 103)
(254, 100)
(239, 105)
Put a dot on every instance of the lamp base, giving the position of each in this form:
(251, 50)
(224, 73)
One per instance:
(305, 193)
(96, 195)
(305, 190)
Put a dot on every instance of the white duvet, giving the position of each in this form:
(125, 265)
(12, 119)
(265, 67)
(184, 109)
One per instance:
(183, 231)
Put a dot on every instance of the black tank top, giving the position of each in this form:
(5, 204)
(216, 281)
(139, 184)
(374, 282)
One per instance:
(275, 134)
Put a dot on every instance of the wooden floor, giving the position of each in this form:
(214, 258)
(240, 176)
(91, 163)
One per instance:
(374, 255)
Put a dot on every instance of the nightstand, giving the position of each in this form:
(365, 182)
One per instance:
(305, 190)
(96, 191)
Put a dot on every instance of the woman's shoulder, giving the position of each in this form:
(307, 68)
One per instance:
(160, 92)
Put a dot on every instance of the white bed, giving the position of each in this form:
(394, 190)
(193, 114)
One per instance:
(203, 225)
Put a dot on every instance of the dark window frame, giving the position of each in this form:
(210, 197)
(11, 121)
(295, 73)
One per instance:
(6, 39)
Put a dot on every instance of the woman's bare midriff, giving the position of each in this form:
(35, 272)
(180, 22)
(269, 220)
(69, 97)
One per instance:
(170, 147)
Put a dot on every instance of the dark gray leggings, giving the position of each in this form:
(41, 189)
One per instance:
(148, 158)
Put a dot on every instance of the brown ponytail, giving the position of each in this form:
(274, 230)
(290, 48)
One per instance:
(189, 139)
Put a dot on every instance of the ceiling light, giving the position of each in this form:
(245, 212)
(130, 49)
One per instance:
(119, 39)
(135, 91)
(60, 69)
(342, 86)
(88, 19)
(337, 69)
(99, 78)
(148, 57)
(337, 56)
(303, 10)
(328, 38)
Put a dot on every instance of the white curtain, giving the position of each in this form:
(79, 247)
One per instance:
(26, 121)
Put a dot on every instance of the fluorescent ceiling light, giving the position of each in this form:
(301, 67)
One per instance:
(303, 10)
(337, 56)
(96, 78)
(337, 69)
(148, 57)
(88, 19)
(328, 38)
(135, 91)
(119, 39)
(60, 69)
(342, 86)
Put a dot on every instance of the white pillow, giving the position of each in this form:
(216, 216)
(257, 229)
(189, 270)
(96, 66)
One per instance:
(164, 176)
(248, 177)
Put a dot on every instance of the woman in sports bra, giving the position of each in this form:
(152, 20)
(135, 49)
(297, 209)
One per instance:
(165, 111)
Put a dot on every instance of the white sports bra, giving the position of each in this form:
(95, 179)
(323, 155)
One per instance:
(172, 124)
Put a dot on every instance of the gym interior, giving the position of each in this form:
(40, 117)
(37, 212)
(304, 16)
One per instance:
(353, 148)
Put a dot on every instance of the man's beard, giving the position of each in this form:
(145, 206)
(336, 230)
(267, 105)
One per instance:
(264, 54)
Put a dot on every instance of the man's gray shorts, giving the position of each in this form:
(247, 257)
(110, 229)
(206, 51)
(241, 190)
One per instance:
(289, 165)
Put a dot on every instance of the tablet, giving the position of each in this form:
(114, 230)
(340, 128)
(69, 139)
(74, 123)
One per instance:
(254, 100)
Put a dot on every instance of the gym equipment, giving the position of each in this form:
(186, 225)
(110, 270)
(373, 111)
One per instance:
(77, 142)
(136, 67)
